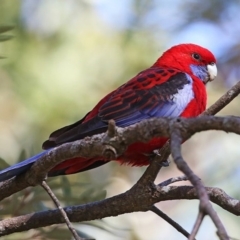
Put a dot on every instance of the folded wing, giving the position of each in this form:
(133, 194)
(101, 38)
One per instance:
(155, 92)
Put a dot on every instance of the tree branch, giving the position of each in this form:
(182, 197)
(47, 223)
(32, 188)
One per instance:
(197, 225)
(93, 146)
(224, 100)
(172, 180)
(170, 221)
(130, 201)
(63, 213)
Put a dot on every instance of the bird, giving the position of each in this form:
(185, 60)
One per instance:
(174, 86)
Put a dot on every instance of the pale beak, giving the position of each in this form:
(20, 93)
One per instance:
(212, 71)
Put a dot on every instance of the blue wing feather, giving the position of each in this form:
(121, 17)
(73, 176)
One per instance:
(19, 167)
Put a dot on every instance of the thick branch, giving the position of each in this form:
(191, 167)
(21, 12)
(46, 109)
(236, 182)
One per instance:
(93, 146)
(130, 201)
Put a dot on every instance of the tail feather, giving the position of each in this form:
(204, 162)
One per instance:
(69, 166)
(19, 168)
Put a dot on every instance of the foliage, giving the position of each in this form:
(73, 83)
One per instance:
(3, 36)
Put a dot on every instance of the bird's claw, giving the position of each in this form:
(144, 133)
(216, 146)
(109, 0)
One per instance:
(156, 154)
(165, 163)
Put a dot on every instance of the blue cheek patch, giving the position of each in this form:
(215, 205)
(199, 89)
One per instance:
(199, 71)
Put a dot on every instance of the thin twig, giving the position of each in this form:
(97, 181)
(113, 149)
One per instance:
(196, 225)
(223, 101)
(172, 180)
(63, 213)
(169, 220)
(22, 202)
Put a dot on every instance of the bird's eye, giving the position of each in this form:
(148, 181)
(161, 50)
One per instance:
(196, 56)
(212, 63)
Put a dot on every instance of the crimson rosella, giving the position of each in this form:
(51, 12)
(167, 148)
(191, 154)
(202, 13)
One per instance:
(174, 86)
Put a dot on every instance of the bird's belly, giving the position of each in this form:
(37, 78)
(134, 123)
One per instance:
(138, 154)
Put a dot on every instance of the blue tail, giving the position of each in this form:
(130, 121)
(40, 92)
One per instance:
(19, 168)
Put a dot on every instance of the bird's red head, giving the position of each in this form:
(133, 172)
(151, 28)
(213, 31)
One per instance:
(192, 59)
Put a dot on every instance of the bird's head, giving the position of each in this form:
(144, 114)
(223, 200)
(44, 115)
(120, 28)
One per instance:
(192, 59)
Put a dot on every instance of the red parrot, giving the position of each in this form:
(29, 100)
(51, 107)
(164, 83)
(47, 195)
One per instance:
(174, 86)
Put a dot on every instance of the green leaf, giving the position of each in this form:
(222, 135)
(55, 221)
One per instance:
(6, 28)
(100, 195)
(3, 164)
(66, 187)
(5, 38)
(56, 233)
(23, 155)
(92, 193)
(84, 235)
(40, 206)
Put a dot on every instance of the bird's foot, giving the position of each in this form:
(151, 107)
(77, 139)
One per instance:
(166, 163)
(156, 154)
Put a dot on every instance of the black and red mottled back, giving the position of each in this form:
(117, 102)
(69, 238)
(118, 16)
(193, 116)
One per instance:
(152, 93)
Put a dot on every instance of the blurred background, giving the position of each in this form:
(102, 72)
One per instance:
(66, 55)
